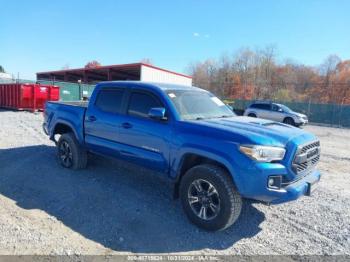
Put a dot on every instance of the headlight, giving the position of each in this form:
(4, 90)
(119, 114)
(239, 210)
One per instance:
(263, 153)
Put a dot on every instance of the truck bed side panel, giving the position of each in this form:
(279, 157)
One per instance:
(65, 114)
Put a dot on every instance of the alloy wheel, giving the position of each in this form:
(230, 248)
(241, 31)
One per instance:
(204, 199)
(65, 154)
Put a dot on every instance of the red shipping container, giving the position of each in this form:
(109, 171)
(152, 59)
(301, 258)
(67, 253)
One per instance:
(27, 96)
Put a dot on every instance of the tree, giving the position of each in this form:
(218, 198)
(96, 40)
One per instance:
(243, 68)
(65, 67)
(93, 64)
(251, 74)
(147, 61)
(205, 75)
(328, 73)
(329, 66)
(265, 71)
(2, 70)
(342, 84)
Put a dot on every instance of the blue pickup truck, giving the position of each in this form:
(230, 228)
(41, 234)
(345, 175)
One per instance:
(214, 158)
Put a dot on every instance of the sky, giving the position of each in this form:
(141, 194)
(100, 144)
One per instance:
(41, 35)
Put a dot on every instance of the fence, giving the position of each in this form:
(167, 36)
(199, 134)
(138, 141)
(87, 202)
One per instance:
(328, 114)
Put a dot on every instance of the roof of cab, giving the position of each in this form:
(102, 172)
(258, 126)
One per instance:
(160, 86)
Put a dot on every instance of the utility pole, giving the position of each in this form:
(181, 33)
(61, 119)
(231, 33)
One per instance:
(79, 83)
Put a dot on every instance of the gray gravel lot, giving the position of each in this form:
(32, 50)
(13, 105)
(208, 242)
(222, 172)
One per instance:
(116, 208)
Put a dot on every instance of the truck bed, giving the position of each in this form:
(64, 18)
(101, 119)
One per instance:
(71, 114)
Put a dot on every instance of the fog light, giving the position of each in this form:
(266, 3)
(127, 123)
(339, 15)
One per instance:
(274, 182)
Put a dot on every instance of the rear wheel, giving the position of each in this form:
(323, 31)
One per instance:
(209, 197)
(289, 121)
(252, 115)
(70, 153)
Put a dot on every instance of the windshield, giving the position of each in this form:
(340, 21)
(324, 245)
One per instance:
(286, 109)
(196, 105)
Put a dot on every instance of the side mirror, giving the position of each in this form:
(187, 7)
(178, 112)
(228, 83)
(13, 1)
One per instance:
(157, 113)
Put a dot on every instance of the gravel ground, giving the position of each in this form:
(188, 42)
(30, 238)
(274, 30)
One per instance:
(116, 208)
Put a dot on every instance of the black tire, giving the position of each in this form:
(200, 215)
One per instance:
(70, 154)
(230, 201)
(252, 115)
(289, 121)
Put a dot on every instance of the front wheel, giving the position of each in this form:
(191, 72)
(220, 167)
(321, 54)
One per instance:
(289, 121)
(209, 197)
(70, 153)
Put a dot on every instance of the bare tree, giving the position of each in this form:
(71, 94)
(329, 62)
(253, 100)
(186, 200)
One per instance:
(147, 61)
(266, 64)
(93, 64)
(66, 66)
(328, 71)
(243, 66)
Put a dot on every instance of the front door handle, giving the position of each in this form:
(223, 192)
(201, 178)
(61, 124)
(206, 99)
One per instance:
(92, 118)
(126, 125)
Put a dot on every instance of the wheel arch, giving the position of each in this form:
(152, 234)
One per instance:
(61, 128)
(191, 159)
(252, 113)
(289, 117)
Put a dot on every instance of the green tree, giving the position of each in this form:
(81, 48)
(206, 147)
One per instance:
(2, 70)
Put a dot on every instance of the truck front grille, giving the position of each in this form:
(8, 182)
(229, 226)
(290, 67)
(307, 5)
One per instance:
(306, 157)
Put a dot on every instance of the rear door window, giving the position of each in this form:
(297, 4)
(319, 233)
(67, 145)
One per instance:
(265, 106)
(110, 100)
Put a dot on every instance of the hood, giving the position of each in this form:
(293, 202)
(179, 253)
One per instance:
(256, 130)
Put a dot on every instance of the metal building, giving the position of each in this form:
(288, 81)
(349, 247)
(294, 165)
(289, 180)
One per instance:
(136, 71)
(6, 78)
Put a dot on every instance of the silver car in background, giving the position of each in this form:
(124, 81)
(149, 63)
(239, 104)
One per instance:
(276, 112)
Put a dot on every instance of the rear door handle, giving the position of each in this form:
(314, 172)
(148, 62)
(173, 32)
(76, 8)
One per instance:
(92, 118)
(127, 125)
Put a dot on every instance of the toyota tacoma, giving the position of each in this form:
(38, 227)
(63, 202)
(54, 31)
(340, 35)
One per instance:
(213, 158)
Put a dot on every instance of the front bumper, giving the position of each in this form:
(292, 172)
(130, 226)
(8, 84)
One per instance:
(297, 189)
(301, 121)
(256, 184)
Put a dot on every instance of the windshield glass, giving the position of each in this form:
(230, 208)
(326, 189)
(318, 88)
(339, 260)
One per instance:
(286, 109)
(196, 105)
